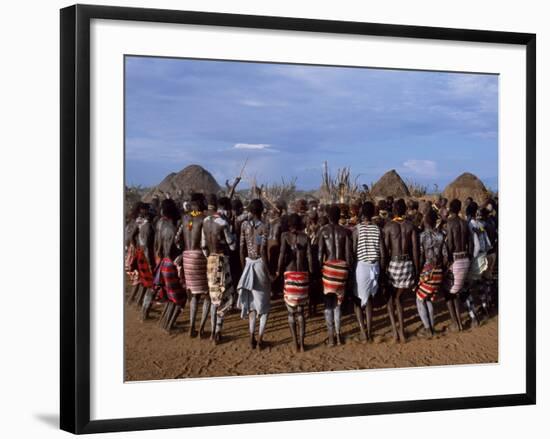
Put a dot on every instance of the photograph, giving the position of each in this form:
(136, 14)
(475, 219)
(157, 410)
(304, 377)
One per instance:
(295, 218)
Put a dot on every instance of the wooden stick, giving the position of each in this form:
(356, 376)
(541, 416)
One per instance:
(237, 181)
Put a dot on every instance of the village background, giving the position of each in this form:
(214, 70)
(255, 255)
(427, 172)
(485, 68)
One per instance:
(336, 186)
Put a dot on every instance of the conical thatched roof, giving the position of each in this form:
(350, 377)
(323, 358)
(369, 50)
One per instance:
(192, 178)
(464, 186)
(390, 184)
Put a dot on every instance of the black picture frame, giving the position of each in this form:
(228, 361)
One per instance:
(75, 217)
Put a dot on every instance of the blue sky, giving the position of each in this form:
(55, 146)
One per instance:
(288, 119)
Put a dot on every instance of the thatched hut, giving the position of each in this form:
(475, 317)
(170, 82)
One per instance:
(464, 186)
(390, 184)
(193, 178)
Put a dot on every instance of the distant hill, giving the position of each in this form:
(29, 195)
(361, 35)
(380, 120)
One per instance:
(193, 178)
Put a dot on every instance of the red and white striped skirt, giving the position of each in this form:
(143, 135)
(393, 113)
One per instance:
(296, 288)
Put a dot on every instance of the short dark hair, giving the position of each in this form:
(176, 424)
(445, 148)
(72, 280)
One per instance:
(334, 213)
(400, 207)
(198, 202)
(484, 212)
(471, 210)
(430, 217)
(367, 210)
(138, 206)
(256, 207)
(212, 201)
(294, 221)
(236, 204)
(224, 203)
(169, 209)
(382, 205)
(455, 206)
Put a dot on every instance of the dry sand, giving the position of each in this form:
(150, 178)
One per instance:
(152, 354)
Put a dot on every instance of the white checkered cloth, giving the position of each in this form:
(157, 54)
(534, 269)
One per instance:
(401, 274)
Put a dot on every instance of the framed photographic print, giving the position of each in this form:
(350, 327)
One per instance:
(285, 218)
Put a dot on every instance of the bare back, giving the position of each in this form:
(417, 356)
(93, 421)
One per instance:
(400, 239)
(191, 231)
(295, 252)
(166, 239)
(217, 236)
(334, 243)
(457, 235)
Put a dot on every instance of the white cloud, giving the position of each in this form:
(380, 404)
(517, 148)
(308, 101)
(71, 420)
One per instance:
(421, 167)
(251, 146)
(252, 103)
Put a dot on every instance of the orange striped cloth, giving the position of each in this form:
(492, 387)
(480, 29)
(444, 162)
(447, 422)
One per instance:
(296, 288)
(335, 275)
(429, 282)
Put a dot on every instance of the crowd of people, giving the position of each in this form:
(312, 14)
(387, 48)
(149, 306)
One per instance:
(229, 256)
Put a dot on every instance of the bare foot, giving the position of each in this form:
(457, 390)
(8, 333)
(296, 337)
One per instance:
(402, 338)
(424, 333)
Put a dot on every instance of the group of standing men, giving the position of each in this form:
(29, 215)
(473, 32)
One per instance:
(215, 251)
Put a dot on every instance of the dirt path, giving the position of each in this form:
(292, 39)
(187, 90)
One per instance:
(152, 354)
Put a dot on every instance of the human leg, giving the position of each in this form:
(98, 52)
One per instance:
(204, 316)
(252, 328)
(399, 308)
(329, 319)
(261, 329)
(193, 305)
(292, 325)
(360, 319)
(147, 303)
(301, 320)
(337, 322)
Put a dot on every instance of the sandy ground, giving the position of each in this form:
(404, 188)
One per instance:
(152, 354)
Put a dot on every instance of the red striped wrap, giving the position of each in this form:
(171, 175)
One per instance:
(335, 274)
(145, 273)
(296, 287)
(430, 280)
(169, 283)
